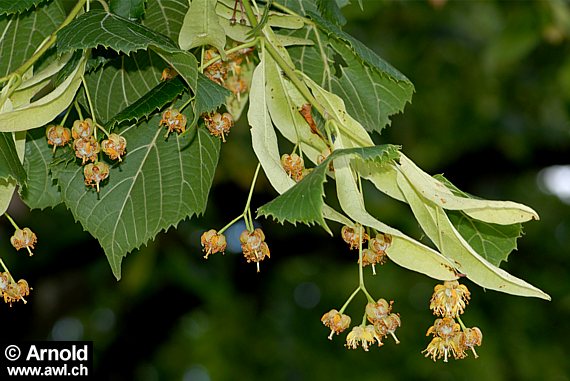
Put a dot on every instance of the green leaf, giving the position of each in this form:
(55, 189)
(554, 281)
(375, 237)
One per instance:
(122, 82)
(166, 16)
(159, 183)
(11, 6)
(155, 99)
(100, 28)
(331, 11)
(209, 96)
(23, 33)
(45, 109)
(185, 65)
(10, 165)
(372, 89)
(370, 95)
(42, 191)
(129, 9)
(304, 201)
(201, 27)
(443, 234)
(8, 185)
(493, 242)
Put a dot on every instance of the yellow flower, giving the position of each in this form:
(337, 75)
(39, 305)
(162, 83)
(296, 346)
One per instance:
(364, 336)
(336, 321)
(447, 340)
(24, 238)
(449, 299)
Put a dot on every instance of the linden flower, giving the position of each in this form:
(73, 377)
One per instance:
(364, 336)
(217, 71)
(388, 325)
(86, 149)
(449, 299)
(174, 120)
(57, 136)
(213, 242)
(14, 292)
(82, 129)
(293, 165)
(376, 311)
(219, 124)
(352, 236)
(336, 321)
(95, 174)
(470, 338)
(237, 86)
(114, 146)
(446, 340)
(253, 246)
(24, 238)
(168, 73)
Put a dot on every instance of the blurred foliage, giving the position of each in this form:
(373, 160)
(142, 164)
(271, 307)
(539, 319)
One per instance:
(491, 109)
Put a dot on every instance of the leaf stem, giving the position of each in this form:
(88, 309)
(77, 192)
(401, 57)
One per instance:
(248, 202)
(349, 300)
(8, 271)
(246, 214)
(463, 327)
(12, 221)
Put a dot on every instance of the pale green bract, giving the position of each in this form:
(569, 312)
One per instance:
(201, 27)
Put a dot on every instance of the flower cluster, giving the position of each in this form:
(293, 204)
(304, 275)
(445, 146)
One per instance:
(253, 246)
(450, 338)
(24, 238)
(384, 321)
(219, 124)
(379, 314)
(13, 291)
(87, 148)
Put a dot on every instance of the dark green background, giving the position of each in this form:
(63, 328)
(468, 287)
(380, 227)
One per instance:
(491, 110)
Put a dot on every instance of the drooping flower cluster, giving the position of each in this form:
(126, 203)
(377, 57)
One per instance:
(384, 321)
(13, 291)
(85, 145)
(87, 148)
(450, 338)
(24, 238)
(219, 124)
(213, 242)
(253, 246)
